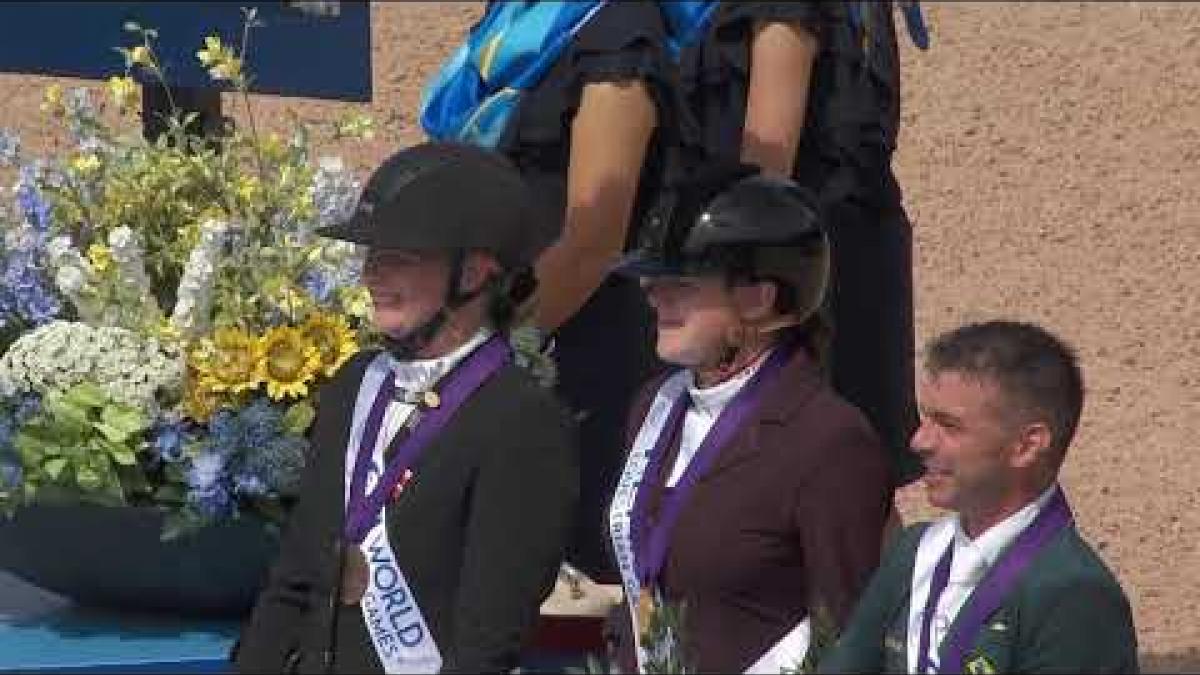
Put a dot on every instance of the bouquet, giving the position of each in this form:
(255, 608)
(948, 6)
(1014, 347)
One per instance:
(167, 311)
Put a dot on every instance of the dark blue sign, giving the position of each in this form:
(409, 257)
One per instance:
(312, 48)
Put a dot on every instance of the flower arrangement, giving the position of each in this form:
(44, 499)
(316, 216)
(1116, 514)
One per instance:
(167, 310)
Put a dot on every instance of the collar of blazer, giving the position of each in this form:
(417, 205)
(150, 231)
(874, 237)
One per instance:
(793, 388)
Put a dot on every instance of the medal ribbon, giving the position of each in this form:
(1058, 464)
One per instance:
(363, 509)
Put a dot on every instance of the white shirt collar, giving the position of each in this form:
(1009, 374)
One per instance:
(979, 554)
(710, 401)
(421, 373)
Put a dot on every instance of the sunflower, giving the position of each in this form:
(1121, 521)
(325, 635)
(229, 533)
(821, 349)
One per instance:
(289, 362)
(229, 362)
(332, 337)
(200, 402)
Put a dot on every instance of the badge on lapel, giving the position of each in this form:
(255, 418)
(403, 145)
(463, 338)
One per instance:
(979, 665)
(405, 479)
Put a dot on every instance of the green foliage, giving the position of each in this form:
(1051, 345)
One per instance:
(82, 447)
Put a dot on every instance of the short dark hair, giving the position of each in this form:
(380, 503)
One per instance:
(1036, 370)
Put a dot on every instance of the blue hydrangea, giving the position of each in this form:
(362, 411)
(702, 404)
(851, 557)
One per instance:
(168, 440)
(11, 473)
(208, 492)
(27, 406)
(214, 502)
(261, 423)
(249, 485)
(7, 430)
(280, 465)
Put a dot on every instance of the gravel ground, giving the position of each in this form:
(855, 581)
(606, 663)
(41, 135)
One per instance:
(1049, 157)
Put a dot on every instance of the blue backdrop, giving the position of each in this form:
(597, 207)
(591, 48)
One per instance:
(297, 53)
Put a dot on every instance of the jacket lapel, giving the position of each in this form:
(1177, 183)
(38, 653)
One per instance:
(792, 389)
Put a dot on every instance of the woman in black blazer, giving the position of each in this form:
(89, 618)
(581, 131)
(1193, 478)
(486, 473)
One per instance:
(431, 552)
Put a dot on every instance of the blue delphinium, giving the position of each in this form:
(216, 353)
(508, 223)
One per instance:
(26, 295)
(318, 284)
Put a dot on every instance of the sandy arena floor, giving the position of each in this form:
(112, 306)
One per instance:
(1051, 163)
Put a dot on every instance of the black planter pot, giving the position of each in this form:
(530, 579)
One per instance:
(114, 558)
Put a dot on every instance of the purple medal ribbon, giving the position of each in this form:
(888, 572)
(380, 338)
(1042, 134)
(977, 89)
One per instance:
(991, 592)
(651, 543)
(463, 380)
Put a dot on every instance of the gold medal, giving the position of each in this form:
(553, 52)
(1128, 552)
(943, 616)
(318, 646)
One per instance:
(356, 575)
(645, 611)
(431, 399)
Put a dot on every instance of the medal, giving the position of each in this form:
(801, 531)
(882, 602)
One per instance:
(356, 575)
(645, 611)
(431, 399)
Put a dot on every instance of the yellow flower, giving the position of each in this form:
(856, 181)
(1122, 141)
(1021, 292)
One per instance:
(355, 126)
(219, 59)
(85, 164)
(124, 92)
(289, 362)
(249, 188)
(228, 69)
(356, 302)
(52, 100)
(100, 257)
(200, 402)
(140, 56)
(213, 51)
(229, 362)
(332, 337)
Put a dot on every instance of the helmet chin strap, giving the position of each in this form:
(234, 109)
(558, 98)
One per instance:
(410, 346)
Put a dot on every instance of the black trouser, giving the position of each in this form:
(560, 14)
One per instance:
(871, 305)
(605, 354)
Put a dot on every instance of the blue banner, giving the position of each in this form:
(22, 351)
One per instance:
(310, 48)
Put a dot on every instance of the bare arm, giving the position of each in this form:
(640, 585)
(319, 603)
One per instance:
(781, 64)
(609, 137)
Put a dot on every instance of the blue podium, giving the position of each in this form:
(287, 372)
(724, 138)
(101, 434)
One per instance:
(40, 632)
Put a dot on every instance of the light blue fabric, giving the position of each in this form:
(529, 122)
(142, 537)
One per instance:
(473, 95)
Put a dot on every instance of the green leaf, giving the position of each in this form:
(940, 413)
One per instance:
(171, 493)
(125, 420)
(88, 479)
(65, 417)
(86, 395)
(31, 446)
(54, 467)
(110, 433)
(299, 417)
(123, 456)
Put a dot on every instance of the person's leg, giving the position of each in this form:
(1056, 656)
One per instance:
(871, 305)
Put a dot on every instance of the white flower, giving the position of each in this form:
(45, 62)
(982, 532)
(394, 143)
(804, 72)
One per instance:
(70, 280)
(133, 369)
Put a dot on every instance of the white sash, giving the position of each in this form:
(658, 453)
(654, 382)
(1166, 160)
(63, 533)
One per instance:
(631, 478)
(791, 649)
(787, 654)
(394, 621)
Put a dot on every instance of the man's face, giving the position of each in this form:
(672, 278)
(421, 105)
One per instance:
(966, 440)
(407, 287)
(695, 316)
